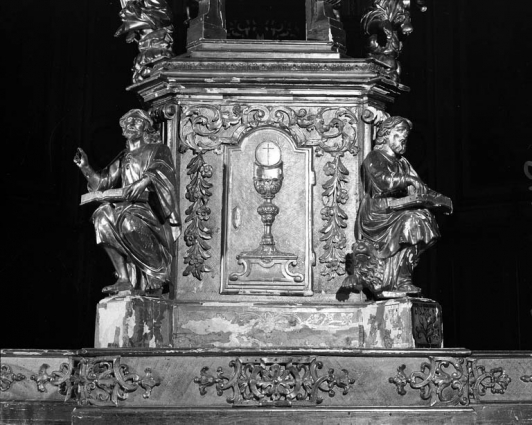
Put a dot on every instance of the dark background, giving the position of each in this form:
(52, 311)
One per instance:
(469, 69)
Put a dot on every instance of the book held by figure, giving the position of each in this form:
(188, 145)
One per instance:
(110, 195)
(431, 200)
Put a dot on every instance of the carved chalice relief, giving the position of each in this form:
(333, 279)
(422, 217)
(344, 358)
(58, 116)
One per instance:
(267, 263)
(268, 180)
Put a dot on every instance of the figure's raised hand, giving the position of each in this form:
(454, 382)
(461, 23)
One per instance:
(81, 159)
(133, 191)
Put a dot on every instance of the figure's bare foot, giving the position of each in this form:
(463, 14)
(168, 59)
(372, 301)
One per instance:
(122, 284)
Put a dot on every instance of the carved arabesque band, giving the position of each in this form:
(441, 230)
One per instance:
(450, 381)
(329, 130)
(275, 381)
(99, 381)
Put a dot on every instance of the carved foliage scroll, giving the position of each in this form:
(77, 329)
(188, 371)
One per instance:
(450, 381)
(275, 382)
(329, 130)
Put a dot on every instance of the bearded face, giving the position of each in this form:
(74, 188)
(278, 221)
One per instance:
(133, 127)
(397, 139)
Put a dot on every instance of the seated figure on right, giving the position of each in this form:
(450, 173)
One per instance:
(394, 224)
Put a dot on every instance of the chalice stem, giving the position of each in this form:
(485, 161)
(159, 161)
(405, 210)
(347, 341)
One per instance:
(268, 210)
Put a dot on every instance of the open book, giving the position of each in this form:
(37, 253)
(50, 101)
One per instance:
(431, 200)
(111, 195)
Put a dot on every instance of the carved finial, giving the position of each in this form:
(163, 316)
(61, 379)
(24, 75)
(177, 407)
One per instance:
(149, 23)
(389, 18)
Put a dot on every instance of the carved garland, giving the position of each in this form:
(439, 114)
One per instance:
(328, 130)
(275, 382)
(100, 381)
(449, 381)
(197, 232)
(334, 195)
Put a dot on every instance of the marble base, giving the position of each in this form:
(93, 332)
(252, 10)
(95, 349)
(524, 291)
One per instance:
(133, 321)
(391, 324)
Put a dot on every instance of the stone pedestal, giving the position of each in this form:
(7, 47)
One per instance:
(399, 324)
(133, 321)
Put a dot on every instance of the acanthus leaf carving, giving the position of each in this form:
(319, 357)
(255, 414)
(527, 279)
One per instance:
(203, 127)
(332, 130)
(207, 127)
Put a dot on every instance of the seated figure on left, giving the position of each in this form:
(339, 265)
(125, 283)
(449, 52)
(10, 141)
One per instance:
(137, 229)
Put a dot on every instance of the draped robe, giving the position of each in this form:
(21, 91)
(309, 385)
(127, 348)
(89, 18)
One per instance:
(390, 232)
(141, 231)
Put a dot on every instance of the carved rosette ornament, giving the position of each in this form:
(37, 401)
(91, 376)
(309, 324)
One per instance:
(275, 381)
(99, 381)
(329, 130)
(450, 381)
(7, 377)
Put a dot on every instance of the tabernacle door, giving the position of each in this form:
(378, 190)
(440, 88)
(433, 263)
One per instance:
(267, 220)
